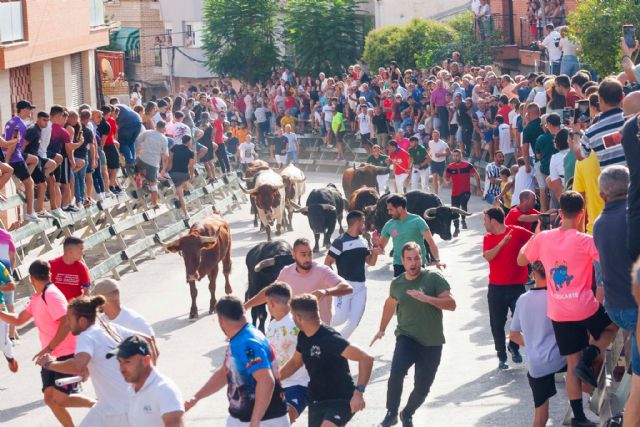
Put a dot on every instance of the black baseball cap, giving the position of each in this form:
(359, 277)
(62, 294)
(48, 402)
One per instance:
(23, 104)
(131, 346)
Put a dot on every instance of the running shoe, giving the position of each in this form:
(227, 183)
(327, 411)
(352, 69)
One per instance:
(582, 423)
(502, 365)
(515, 355)
(31, 218)
(59, 213)
(44, 214)
(390, 419)
(406, 420)
(13, 364)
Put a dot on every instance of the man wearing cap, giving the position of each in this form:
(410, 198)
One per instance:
(17, 127)
(154, 399)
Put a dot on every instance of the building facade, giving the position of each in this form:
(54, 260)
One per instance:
(395, 12)
(47, 55)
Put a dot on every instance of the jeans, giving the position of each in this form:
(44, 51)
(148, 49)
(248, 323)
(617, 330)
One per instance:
(98, 183)
(80, 184)
(502, 298)
(554, 68)
(627, 318)
(127, 136)
(569, 65)
(409, 352)
(291, 156)
(223, 159)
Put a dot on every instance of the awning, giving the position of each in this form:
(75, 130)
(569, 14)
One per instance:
(126, 38)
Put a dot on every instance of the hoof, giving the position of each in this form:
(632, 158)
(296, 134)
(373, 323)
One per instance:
(212, 307)
(193, 316)
(278, 232)
(227, 290)
(316, 250)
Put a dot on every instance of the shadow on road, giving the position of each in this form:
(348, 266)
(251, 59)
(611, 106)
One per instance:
(10, 414)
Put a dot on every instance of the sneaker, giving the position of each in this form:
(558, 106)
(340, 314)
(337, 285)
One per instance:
(44, 214)
(31, 218)
(108, 195)
(390, 419)
(117, 190)
(585, 374)
(69, 208)
(186, 216)
(582, 423)
(515, 355)
(406, 420)
(502, 365)
(154, 207)
(58, 213)
(13, 364)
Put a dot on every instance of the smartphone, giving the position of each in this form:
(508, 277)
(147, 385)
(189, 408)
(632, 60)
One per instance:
(567, 115)
(16, 132)
(545, 221)
(582, 111)
(629, 33)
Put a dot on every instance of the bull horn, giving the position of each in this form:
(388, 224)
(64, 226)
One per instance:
(265, 263)
(460, 211)
(245, 190)
(302, 210)
(298, 181)
(294, 205)
(369, 209)
(279, 187)
(430, 213)
(328, 207)
(253, 178)
(381, 170)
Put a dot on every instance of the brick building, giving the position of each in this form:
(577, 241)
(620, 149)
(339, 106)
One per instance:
(47, 54)
(510, 19)
(143, 39)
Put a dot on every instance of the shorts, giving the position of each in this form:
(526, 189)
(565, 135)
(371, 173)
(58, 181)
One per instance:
(102, 158)
(9, 297)
(461, 199)
(150, 173)
(365, 138)
(20, 170)
(280, 159)
(296, 397)
(540, 177)
(64, 172)
(282, 421)
(38, 172)
(113, 156)
(337, 411)
(437, 167)
(573, 336)
(179, 178)
(543, 388)
(49, 379)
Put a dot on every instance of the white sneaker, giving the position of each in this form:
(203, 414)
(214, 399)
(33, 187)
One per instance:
(58, 213)
(109, 194)
(31, 218)
(101, 197)
(44, 214)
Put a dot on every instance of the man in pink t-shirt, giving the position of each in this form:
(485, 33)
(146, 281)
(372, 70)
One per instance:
(576, 315)
(308, 277)
(48, 308)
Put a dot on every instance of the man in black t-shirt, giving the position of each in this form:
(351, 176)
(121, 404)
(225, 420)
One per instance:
(631, 145)
(44, 167)
(182, 160)
(381, 127)
(278, 148)
(350, 252)
(325, 354)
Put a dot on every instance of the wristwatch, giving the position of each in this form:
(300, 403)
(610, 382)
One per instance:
(360, 388)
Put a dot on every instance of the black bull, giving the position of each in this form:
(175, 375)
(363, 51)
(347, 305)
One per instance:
(324, 207)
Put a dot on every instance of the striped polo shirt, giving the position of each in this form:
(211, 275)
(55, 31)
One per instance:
(605, 139)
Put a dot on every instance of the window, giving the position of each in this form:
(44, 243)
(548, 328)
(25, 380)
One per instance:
(192, 34)
(157, 56)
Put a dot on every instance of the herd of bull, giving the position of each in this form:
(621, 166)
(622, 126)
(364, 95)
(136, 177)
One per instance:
(275, 197)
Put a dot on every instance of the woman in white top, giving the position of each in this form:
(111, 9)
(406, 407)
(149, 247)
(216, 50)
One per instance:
(569, 64)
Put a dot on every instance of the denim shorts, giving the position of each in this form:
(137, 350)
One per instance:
(296, 396)
(627, 318)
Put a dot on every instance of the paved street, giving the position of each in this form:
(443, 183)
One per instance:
(468, 390)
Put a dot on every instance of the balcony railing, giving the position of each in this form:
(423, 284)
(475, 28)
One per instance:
(96, 13)
(531, 32)
(496, 29)
(11, 22)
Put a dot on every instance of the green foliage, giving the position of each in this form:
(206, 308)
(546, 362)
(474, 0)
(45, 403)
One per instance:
(597, 24)
(239, 38)
(323, 35)
(422, 43)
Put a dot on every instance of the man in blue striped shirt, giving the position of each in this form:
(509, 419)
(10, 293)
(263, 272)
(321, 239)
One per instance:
(604, 136)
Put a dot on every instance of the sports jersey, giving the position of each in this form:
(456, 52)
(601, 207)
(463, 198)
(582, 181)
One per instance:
(5, 277)
(350, 253)
(400, 160)
(248, 352)
(459, 174)
(70, 279)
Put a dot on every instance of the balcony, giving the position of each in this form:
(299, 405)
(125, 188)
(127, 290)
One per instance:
(11, 22)
(96, 13)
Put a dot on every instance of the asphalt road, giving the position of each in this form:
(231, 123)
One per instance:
(468, 390)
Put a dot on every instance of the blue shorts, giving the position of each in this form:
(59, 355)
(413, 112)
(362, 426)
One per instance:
(627, 318)
(296, 397)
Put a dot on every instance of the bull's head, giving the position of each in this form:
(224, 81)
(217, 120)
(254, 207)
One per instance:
(439, 219)
(191, 247)
(324, 206)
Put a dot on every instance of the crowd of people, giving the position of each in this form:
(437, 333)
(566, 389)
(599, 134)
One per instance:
(563, 212)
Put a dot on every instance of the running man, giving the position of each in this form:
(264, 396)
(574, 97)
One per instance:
(458, 174)
(351, 252)
(6, 344)
(418, 297)
(333, 396)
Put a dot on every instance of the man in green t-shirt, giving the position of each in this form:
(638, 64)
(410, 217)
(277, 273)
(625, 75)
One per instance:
(378, 159)
(544, 149)
(404, 227)
(6, 285)
(420, 165)
(418, 296)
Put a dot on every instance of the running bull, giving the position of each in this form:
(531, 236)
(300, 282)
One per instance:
(294, 188)
(362, 176)
(264, 262)
(206, 244)
(249, 178)
(324, 207)
(268, 193)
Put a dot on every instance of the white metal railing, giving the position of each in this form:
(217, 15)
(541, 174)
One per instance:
(11, 22)
(96, 13)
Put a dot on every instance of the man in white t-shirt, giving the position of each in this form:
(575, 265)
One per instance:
(555, 180)
(551, 42)
(364, 126)
(505, 143)
(246, 152)
(155, 400)
(282, 333)
(438, 151)
(522, 181)
(94, 341)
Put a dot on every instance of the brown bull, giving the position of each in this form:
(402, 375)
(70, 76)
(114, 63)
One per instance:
(362, 176)
(253, 169)
(363, 197)
(207, 243)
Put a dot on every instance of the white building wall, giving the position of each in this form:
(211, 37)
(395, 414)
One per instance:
(394, 12)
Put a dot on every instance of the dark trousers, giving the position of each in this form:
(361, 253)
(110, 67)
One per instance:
(223, 159)
(98, 183)
(409, 352)
(443, 115)
(460, 201)
(502, 298)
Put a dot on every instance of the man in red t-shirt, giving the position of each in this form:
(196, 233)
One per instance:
(459, 174)
(524, 215)
(500, 247)
(68, 272)
(401, 161)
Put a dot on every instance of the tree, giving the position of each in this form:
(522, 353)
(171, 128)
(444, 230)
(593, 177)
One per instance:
(473, 50)
(597, 25)
(418, 43)
(323, 34)
(239, 38)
